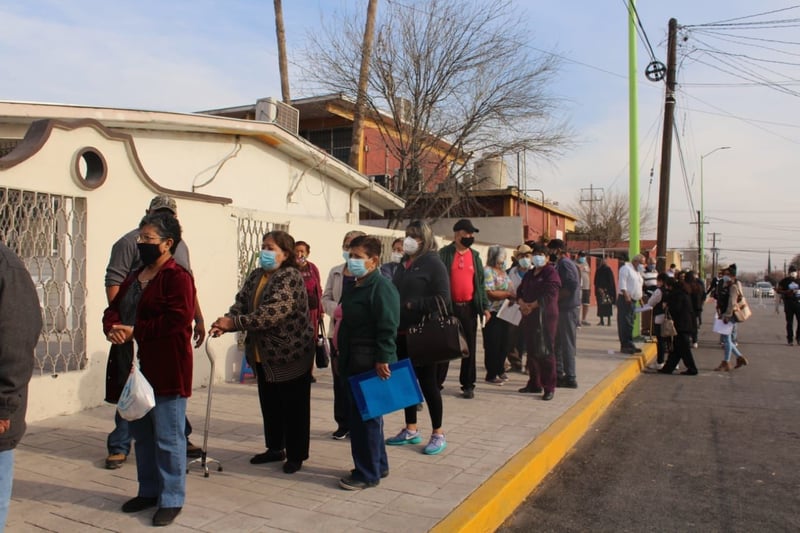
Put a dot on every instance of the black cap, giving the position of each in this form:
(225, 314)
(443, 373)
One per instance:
(792, 268)
(466, 225)
(556, 244)
(732, 269)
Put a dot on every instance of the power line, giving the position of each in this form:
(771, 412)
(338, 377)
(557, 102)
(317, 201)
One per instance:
(757, 14)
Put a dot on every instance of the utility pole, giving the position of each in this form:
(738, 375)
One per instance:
(666, 149)
(714, 251)
(283, 67)
(357, 142)
(595, 195)
(635, 245)
(700, 224)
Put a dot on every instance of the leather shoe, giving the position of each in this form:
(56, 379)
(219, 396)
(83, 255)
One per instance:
(534, 390)
(115, 460)
(269, 456)
(139, 503)
(290, 467)
(166, 515)
(689, 372)
(468, 394)
(547, 396)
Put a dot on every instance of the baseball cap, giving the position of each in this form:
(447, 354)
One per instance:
(466, 225)
(163, 202)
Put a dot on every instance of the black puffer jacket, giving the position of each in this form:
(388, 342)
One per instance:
(680, 309)
(20, 326)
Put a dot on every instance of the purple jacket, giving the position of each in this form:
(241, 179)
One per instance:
(541, 286)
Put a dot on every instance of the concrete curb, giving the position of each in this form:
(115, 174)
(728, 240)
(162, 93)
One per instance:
(494, 501)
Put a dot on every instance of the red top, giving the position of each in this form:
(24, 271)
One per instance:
(163, 328)
(462, 276)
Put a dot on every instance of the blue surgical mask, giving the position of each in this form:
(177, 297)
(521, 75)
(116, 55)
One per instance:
(539, 261)
(357, 266)
(726, 279)
(346, 255)
(524, 263)
(268, 260)
(581, 260)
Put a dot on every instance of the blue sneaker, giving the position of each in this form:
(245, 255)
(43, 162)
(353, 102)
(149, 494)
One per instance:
(436, 445)
(405, 437)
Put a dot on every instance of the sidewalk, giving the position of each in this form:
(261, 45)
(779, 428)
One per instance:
(61, 484)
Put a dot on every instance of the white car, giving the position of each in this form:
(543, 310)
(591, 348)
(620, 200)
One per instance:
(763, 289)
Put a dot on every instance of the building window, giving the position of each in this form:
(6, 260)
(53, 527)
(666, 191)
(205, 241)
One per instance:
(335, 141)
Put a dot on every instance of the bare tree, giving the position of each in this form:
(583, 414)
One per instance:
(608, 221)
(363, 82)
(283, 66)
(451, 81)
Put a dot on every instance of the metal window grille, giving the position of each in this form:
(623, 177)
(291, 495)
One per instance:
(7, 146)
(48, 231)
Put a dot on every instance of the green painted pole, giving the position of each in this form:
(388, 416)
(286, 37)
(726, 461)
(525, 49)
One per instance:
(634, 247)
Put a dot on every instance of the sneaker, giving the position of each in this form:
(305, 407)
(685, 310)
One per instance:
(192, 450)
(384, 473)
(139, 503)
(503, 376)
(436, 445)
(468, 394)
(694, 345)
(353, 483)
(405, 437)
(495, 381)
(585, 323)
(340, 434)
(115, 460)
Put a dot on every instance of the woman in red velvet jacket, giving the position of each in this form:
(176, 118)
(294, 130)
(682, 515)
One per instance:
(161, 297)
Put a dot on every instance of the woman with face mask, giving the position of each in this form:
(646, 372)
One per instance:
(523, 257)
(728, 297)
(388, 269)
(420, 279)
(159, 300)
(272, 307)
(370, 316)
(496, 332)
(538, 301)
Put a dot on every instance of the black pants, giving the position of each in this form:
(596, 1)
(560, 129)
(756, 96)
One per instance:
(341, 393)
(792, 311)
(286, 410)
(496, 342)
(427, 377)
(468, 317)
(681, 349)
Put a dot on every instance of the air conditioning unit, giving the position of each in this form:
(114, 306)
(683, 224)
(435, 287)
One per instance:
(278, 113)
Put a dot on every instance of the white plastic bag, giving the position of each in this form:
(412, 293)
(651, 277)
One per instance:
(137, 397)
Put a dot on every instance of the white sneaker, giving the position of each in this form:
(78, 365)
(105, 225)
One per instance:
(694, 345)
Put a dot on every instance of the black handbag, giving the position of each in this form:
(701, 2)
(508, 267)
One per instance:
(439, 337)
(542, 346)
(323, 349)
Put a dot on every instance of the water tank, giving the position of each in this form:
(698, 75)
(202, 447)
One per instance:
(490, 173)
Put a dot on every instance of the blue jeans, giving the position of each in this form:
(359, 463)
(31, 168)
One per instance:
(6, 479)
(119, 440)
(728, 343)
(161, 451)
(625, 319)
(367, 445)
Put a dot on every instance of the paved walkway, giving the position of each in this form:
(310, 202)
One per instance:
(61, 483)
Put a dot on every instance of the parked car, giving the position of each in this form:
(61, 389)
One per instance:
(763, 289)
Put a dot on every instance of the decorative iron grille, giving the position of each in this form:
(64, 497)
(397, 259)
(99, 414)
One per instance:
(48, 231)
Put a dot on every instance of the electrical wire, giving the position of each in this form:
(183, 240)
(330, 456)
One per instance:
(757, 14)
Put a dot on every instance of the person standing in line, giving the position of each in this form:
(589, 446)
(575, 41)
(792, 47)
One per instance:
(649, 278)
(125, 259)
(569, 304)
(423, 285)
(162, 294)
(605, 289)
(729, 296)
(656, 302)
(367, 334)
(789, 289)
(537, 296)
(339, 278)
(20, 327)
(630, 292)
(468, 297)
(678, 304)
(496, 332)
(697, 294)
(523, 257)
(272, 307)
(388, 269)
(313, 284)
(586, 287)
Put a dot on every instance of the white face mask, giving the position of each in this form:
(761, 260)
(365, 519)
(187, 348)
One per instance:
(410, 245)
(792, 274)
(539, 261)
(397, 257)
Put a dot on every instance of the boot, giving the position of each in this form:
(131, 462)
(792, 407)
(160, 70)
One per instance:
(724, 366)
(740, 361)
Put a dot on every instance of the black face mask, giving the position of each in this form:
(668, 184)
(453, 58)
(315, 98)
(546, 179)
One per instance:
(553, 258)
(466, 242)
(148, 253)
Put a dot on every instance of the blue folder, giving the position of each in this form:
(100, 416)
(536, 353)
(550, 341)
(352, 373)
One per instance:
(375, 396)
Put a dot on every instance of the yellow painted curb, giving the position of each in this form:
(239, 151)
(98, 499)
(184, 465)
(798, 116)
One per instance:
(494, 501)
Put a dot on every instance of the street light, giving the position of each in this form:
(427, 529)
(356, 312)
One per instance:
(701, 220)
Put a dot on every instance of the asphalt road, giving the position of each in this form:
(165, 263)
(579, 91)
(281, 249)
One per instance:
(714, 452)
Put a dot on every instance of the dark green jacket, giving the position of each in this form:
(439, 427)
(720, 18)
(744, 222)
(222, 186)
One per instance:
(479, 299)
(370, 317)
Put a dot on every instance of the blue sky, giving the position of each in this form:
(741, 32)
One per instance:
(189, 55)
